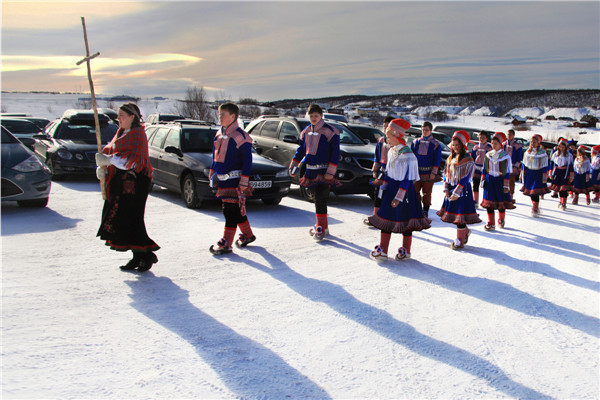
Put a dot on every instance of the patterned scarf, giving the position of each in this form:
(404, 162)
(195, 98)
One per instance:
(131, 145)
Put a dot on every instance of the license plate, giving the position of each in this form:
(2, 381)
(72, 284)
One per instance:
(261, 184)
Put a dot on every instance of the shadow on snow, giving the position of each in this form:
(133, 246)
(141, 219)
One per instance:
(249, 369)
(383, 323)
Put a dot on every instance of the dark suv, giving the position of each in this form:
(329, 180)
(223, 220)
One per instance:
(277, 138)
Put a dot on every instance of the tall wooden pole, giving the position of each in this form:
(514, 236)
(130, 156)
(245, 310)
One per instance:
(87, 59)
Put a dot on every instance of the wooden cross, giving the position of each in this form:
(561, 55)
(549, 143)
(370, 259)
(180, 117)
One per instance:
(87, 59)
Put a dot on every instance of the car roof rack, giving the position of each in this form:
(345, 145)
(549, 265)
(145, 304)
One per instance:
(75, 114)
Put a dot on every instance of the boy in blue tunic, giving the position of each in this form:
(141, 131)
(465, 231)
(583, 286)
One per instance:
(400, 210)
(319, 150)
(429, 156)
(230, 174)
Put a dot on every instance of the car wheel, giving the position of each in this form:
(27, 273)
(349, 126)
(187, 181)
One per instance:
(55, 176)
(33, 203)
(188, 192)
(307, 193)
(272, 202)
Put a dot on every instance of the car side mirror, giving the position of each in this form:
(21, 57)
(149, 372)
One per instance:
(291, 139)
(366, 141)
(173, 150)
(41, 136)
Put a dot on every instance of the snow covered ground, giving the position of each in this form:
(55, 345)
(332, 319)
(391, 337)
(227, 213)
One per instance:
(513, 315)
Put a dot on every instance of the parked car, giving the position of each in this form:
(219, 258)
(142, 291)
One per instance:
(38, 121)
(157, 118)
(24, 178)
(473, 132)
(367, 132)
(22, 129)
(68, 144)
(110, 113)
(181, 155)
(277, 138)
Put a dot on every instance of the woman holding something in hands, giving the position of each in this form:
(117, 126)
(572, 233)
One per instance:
(125, 165)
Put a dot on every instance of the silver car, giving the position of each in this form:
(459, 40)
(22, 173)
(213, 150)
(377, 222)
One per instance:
(24, 178)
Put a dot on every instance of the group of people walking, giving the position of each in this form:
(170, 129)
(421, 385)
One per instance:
(404, 177)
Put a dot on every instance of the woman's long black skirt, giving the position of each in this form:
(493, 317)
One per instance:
(122, 224)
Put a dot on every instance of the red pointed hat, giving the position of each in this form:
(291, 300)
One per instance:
(463, 136)
(563, 140)
(399, 127)
(538, 137)
(596, 149)
(500, 136)
(582, 147)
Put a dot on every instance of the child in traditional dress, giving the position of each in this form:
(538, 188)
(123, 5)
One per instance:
(594, 180)
(478, 154)
(319, 150)
(534, 173)
(400, 210)
(230, 174)
(495, 176)
(458, 207)
(583, 174)
(379, 163)
(561, 172)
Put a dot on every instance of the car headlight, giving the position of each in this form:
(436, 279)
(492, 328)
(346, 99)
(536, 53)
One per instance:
(31, 164)
(62, 153)
(282, 174)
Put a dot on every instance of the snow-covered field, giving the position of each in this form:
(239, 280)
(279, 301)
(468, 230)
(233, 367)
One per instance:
(514, 315)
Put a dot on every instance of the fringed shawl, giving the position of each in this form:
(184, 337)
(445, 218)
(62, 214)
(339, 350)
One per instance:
(582, 166)
(457, 170)
(535, 160)
(402, 164)
(132, 146)
(562, 160)
(497, 163)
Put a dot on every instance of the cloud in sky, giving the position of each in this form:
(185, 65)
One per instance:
(275, 50)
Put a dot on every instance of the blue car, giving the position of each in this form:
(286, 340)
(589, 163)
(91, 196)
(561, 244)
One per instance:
(24, 178)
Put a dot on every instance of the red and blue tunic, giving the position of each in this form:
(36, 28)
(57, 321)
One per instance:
(457, 181)
(478, 155)
(319, 150)
(232, 162)
(429, 156)
(495, 177)
(401, 173)
(515, 151)
(535, 172)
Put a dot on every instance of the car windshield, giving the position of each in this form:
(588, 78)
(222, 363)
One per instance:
(197, 140)
(346, 135)
(23, 126)
(7, 138)
(85, 133)
(372, 134)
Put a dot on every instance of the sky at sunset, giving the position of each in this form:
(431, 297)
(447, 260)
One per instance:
(276, 50)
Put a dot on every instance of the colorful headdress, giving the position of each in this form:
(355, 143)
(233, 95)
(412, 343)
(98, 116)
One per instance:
(500, 136)
(399, 127)
(463, 136)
